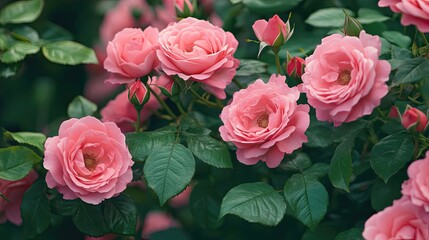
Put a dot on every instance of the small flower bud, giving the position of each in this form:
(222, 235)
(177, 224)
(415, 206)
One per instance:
(394, 112)
(295, 66)
(352, 26)
(414, 118)
(185, 8)
(138, 94)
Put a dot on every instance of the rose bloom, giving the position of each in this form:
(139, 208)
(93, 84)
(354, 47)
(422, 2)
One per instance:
(155, 222)
(88, 160)
(131, 54)
(403, 220)
(14, 192)
(413, 117)
(344, 79)
(196, 50)
(265, 122)
(417, 187)
(414, 12)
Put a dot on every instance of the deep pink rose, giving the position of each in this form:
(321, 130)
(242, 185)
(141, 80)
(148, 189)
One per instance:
(414, 12)
(88, 160)
(155, 222)
(196, 50)
(403, 220)
(265, 122)
(131, 54)
(413, 117)
(122, 17)
(275, 32)
(344, 79)
(417, 187)
(14, 191)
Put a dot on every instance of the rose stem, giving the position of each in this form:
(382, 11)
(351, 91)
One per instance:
(163, 104)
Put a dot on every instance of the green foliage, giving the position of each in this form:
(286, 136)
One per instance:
(21, 11)
(351, 234)
(120, 214)
(81, 107)
(411, 70)
(69, 53)
(341, 165)
(269, 7)
(209, 150)
(16, 162)
(141, 144)
(254, 202)
(35, 210)
(328, 17)
(89, 219)
(367, 16)
(33, 139)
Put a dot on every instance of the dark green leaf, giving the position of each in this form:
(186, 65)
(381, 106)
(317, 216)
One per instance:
(203, 197)
(299, 163)
(9, 70)
(120, 214)
(210, 151)
(317, 170)
(347, 130)
(425, 91)
(351, 234)
(16, 162)
(141, 144)
(319, 134)
(307, 198)
(411, 70)
(270, 7)
(250, 67)
(169, 169)
(391, 154)
(21, 11)
(169, 234)
(89, 220)
(328, 17)
(397, 38)
(69, 53)
(35, 210)
(64, 207)
(367, 15)
(340, 171)
(81, 107)
(34, 139)
(254, 202)
(53, 32)
(383, 194)
(25, 33)
(18, 51)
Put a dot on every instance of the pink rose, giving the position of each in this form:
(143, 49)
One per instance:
(275, 32)
(414, 12)
(344, 79)
(413, 117)
(196, 50)
(417, 187)
(403, 220)
(295, 67)
(88, 160)
(131, 54)
(122, 17)
(265, 122)
(14, 191)
(122, 112)
(155, 222)
(182, 199)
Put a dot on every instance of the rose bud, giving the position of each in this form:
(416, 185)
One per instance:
(138, 93)
(352, 26)
(295, 66)
(413, 117)
(394, 112)
(185, 8)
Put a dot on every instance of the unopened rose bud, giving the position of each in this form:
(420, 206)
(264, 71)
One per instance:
(414, 118)
(138, 94)
(185, 8)
(352, 26)
(273, 33)
(295, 66)
(394, 112)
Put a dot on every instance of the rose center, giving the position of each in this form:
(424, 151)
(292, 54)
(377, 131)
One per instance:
(262, 120)
(344, 77)
(91, 161)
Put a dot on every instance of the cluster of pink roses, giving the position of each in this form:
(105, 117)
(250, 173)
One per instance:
(408, 217)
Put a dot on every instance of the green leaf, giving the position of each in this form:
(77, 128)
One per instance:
(425, 91)
(328, 17)
(391, 154)
(34, 139)
(319, 134)
(299, 163)
(35, 210)
(307, 198)
(141, 144)
(250, 67)
(340, 172)
(69, 53)
(210, 151)
(351, 234)
(346, 130)
(269, 7)
(89, 220)
(383, 194)
(25, 33)
(235, 1)
(411, 70)
(53, 32)
(81, 107)
(169, 169)
(16, 162)
(18, 51)
(120, 214)
(317, 170)
(397, 38)
(398, 55)
(169, 234)
(254, 202)
(9, 70)
(203, 197)
(64, 207)
(21, 11)
(367, 16)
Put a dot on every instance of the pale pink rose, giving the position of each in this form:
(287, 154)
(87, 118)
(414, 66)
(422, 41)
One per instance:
(275, 32)
(415, 12)
(122, 17)
(182, 199)
(265, 122)
(14, 191)
(417, 187)
(131, 54)
(122, 112)
(157, 221)
(88, 160)
(402, 220)
(413, 117)
(196, 50)
(344, 79)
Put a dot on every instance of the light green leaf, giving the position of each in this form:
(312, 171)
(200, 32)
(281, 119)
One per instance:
(169, 169)
(34, 139)
(18, 51)
(307, 198)
(367, 16)
(21, 11)
(328, 17)
(81, 107)
(16, 162)
(254, 202)
(210, 151)
(69, 53)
